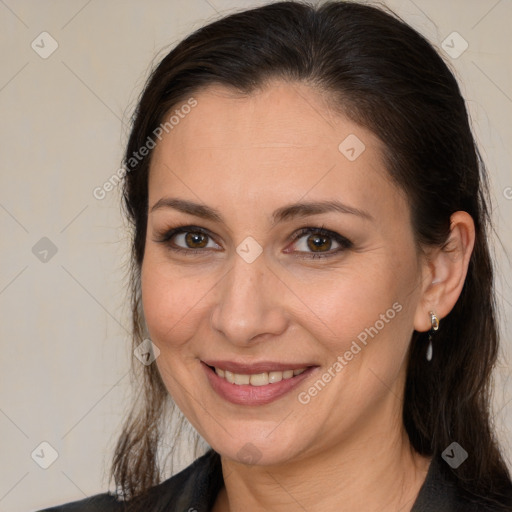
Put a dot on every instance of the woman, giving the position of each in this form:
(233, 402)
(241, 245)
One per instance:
(310, 263)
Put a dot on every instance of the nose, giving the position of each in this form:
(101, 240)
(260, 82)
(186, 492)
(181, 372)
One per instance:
(250, 303)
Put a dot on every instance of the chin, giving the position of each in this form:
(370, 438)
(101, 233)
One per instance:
(260, 448)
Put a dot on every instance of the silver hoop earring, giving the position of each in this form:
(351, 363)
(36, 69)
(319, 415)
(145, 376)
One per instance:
(434, 326)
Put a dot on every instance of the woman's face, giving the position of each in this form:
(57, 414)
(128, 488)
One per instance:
(244, 290)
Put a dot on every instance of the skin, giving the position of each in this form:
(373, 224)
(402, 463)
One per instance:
(247, 156)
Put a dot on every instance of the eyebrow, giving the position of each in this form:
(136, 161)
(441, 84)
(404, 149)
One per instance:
(288, 212)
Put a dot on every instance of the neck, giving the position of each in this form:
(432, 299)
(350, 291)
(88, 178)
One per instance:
(377, 472)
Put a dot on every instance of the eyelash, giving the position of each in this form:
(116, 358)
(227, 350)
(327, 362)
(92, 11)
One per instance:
(345, 243)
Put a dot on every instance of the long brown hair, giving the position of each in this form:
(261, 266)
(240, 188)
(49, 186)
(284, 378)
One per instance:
(386, 77)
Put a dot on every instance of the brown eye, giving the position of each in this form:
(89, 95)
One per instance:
(195, 240)
(319, 241)
(187, 239)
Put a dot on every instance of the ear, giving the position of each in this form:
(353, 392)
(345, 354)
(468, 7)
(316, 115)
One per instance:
(444, 271)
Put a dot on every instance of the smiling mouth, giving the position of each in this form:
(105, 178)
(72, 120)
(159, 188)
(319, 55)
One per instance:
(256, 379)
(255, 384)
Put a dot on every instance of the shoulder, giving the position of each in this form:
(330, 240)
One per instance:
(106, 502)
(198, 484)
(441, 493)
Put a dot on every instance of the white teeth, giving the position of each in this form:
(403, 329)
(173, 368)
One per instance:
(260, 379)
(275, 377)
(257, 379)
(241, 379)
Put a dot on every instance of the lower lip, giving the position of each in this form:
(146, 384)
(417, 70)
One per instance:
(246, 394)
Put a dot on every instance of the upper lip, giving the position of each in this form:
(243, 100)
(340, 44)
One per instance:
(257, 367)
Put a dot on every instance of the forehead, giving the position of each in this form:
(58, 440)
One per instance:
(278, 144)
(280, 115)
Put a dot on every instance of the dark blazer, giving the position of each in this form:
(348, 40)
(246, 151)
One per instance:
(196, 487)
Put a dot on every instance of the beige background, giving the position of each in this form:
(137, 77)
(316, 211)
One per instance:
(63, 329)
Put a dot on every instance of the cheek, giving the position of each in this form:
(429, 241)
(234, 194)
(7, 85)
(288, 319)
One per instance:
(371, 315)
(361, 298)
(171, 302)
